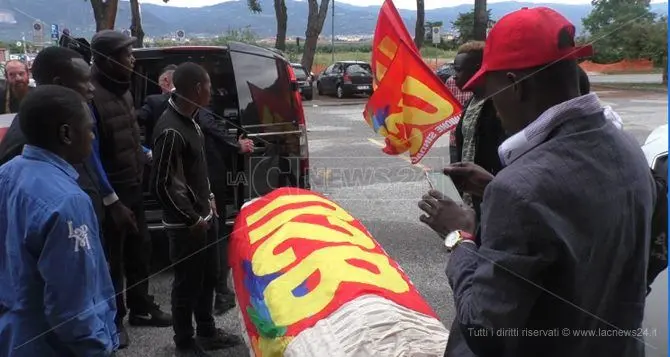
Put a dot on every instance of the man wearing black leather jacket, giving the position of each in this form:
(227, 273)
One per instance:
(221, 149)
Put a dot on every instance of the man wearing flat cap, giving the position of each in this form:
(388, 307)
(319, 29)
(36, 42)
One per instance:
(127, 241)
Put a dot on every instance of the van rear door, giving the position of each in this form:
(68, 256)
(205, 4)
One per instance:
(271, 115)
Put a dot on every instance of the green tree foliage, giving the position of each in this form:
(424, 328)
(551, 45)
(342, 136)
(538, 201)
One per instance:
(620, 29)
(465, 24)
(245, 35)
(627, 29)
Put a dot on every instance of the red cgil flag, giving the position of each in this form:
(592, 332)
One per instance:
(410, 107)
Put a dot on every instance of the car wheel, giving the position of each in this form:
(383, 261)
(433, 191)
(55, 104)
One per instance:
(318, 88)
(308, 96)
(340, 91)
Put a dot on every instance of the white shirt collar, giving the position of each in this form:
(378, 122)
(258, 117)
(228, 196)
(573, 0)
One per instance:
(537, 131)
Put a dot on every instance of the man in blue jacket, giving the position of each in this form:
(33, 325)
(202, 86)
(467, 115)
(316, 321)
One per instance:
(56, 294)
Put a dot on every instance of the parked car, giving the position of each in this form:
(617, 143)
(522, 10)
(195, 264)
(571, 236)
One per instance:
(445, 71)
(655, 323)
(255, 92)
(345, 78)
(304, 81)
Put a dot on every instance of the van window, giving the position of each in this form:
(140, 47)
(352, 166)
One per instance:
(263, 90)
(218, 66)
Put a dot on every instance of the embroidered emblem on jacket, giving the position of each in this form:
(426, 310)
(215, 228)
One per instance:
(80, 236)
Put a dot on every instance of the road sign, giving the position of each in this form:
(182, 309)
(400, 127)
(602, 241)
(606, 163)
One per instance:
(426, 32)
(37, 28)
(180, 34)
(54, 32)
(38, 32)
(436, 35)
(19, 44)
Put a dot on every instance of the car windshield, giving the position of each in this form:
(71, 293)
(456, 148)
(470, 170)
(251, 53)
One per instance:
(300, 73)
(359, 69)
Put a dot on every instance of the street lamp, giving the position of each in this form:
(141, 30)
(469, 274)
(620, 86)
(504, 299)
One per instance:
(332, 34)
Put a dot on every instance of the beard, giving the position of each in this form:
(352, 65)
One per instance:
(19, 86)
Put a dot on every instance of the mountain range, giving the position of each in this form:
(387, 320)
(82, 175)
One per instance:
(18, 16)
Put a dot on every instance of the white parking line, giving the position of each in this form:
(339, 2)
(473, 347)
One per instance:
(650, 101)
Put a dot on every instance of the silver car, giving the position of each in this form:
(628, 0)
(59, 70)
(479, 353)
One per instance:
(655, 324)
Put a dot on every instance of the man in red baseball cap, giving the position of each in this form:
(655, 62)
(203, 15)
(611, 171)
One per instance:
(528, 46)
(559, 268)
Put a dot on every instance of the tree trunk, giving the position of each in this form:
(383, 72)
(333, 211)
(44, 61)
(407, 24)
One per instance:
(104, 12)
(136, 23)
(481, 20)
(315, 20)
(420, 29)
(282, 19)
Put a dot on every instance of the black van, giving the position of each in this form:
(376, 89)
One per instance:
(255, 92)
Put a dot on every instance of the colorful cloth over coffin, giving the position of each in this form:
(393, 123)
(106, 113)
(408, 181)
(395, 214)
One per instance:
(296, 258)
(410, 107)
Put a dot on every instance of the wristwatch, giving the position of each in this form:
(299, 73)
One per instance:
(455, 238)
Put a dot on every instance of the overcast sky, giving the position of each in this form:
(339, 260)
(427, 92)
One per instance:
(402, 4)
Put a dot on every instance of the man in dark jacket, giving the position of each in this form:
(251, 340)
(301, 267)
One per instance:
(221, 149)
(658, 251)
(565, 227)
(129, 248)
(180, 182)
(478, 133)
(155, 104)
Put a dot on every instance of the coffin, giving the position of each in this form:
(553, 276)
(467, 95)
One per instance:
(310, 280)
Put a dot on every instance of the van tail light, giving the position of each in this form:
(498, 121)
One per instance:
(346, 79)
(302, 125)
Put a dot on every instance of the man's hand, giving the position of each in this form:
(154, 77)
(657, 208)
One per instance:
(212, 205)
(469, 177)
(200, 227)
(246, 145)
(444, 215)
(122, 216)
(149, 155)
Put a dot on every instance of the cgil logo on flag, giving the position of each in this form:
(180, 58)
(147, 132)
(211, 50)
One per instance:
(297, 257)
(410, 107)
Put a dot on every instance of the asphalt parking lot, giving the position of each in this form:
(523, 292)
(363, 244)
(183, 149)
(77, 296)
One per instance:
(347, 165)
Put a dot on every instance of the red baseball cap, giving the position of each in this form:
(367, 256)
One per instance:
(527, 38)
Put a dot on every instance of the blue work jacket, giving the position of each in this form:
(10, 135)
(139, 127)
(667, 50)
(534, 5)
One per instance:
(56, 293)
